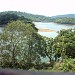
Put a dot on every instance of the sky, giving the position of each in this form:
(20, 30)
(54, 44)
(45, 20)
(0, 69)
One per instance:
(40, 7)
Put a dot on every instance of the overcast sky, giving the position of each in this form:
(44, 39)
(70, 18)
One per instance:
(41, 7)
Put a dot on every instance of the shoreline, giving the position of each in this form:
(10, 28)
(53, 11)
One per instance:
(45, 30)
(56, 23)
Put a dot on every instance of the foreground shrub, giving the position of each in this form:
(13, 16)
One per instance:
(68, 65)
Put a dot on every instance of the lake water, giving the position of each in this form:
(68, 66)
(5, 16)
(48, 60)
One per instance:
(52, 26)
(0, 29)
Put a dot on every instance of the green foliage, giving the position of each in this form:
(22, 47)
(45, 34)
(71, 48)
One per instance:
(67, 65)
(48, 45)
(20, 45)
(6, 18)
(65, 20)
(65, 43)
(12, 15)
(37, 18)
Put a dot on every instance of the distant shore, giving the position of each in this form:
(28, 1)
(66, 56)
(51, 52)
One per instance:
(45, 30)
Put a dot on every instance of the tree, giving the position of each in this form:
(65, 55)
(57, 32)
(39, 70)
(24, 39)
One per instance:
(49, 48)
(21, 44)
(65, 44)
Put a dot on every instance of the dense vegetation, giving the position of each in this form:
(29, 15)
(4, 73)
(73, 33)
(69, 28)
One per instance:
(14, 15)
(19, 45)
(22, 47)
(29, 16)
(6, 18)
(65, 20)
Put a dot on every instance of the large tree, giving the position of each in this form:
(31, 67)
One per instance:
(65, 43)
(20, 43)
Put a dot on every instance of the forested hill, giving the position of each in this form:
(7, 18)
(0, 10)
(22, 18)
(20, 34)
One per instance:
(29, 16)
(63, 19)
(63, 16)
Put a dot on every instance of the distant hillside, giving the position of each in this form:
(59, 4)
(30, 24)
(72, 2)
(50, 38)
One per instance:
(64, 19)
(63, 16)
(29, 16)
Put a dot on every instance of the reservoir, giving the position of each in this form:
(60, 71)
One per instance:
(49, 29)
(53, 27)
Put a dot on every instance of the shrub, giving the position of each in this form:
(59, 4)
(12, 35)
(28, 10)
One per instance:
(68, 65)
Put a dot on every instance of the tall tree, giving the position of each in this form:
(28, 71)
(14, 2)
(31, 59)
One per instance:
(65, 43)
(21, 42)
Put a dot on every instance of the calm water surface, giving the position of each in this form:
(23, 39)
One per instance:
(52, 26)
(0, 29)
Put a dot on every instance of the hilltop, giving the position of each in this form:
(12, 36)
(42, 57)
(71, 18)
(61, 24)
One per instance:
(29, 16)
(63, 16)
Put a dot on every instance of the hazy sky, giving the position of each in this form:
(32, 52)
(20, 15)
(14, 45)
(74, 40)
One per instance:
(41, 7)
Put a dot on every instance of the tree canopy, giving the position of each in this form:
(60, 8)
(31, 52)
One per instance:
(65, 20)
(20, 44)
(6, 18)
(65, 43)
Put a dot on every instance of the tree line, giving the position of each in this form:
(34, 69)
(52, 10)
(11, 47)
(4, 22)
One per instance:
(14, 15)
(65, 20)
(36, 18)
(6, 18)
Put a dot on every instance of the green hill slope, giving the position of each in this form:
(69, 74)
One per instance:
(29, 16)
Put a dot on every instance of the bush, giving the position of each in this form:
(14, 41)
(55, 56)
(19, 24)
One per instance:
(68, 65)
